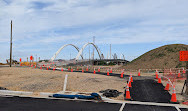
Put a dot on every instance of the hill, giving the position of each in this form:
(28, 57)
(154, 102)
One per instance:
(163, 57)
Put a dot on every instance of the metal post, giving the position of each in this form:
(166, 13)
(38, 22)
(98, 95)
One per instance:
(110, 51)
(186, 78)
(36, 59)
(93, 48)
(11, 46)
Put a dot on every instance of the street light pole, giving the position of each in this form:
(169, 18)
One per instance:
(11, 46)
(110, 51)
(93, 50)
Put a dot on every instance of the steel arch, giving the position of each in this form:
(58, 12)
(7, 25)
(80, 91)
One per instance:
(84, 46)
(63, 48)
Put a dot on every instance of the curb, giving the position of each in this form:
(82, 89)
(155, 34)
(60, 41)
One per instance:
(9, 92)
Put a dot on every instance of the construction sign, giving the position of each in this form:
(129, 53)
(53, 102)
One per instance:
(183, 55)
(31, 58)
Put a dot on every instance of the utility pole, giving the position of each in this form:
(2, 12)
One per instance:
(11, 46)
(110, 51)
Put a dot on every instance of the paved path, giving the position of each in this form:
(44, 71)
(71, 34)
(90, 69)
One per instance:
(36, 104)
(149, 90)
(31, 104)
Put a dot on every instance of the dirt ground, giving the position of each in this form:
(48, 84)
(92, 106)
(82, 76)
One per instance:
(37, 80)
(178, 87)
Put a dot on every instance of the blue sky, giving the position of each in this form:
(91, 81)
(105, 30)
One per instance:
(132, 26)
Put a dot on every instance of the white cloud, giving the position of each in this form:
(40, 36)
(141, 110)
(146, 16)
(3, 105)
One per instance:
(112, 21)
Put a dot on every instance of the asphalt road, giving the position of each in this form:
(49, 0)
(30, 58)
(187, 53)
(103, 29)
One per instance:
(149, 90)
(36, 104)
(31, 104)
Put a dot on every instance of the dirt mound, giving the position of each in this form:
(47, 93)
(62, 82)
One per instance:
(163, 57)
(2, 64)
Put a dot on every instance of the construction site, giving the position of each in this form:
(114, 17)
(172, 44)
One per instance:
(158, 89)
(92, 55)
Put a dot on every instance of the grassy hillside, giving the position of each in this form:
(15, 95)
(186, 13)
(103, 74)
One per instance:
(163, 57)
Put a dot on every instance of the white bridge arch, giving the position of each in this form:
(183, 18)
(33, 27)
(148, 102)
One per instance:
(82, 49)
(63, 48)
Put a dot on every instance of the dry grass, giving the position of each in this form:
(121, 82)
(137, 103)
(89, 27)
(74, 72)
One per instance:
(163, 57)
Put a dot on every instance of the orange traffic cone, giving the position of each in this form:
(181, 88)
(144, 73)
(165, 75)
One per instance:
(122, 72)
(54, 69)
(139, 72)
(179, 74)
(111, 70)
(156, 73)
(167, 86)
(47, 68)
(131, 78)
(82, 70)
(99, 69)
(173, 97)
(128, 96)
(35, 66)
(159, 79)
(62, 69)
(183, 71)
(170, 71)
(94, 71)
(108, 73)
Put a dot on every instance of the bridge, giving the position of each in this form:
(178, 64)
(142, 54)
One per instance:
(101, 57)
(79, 51)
